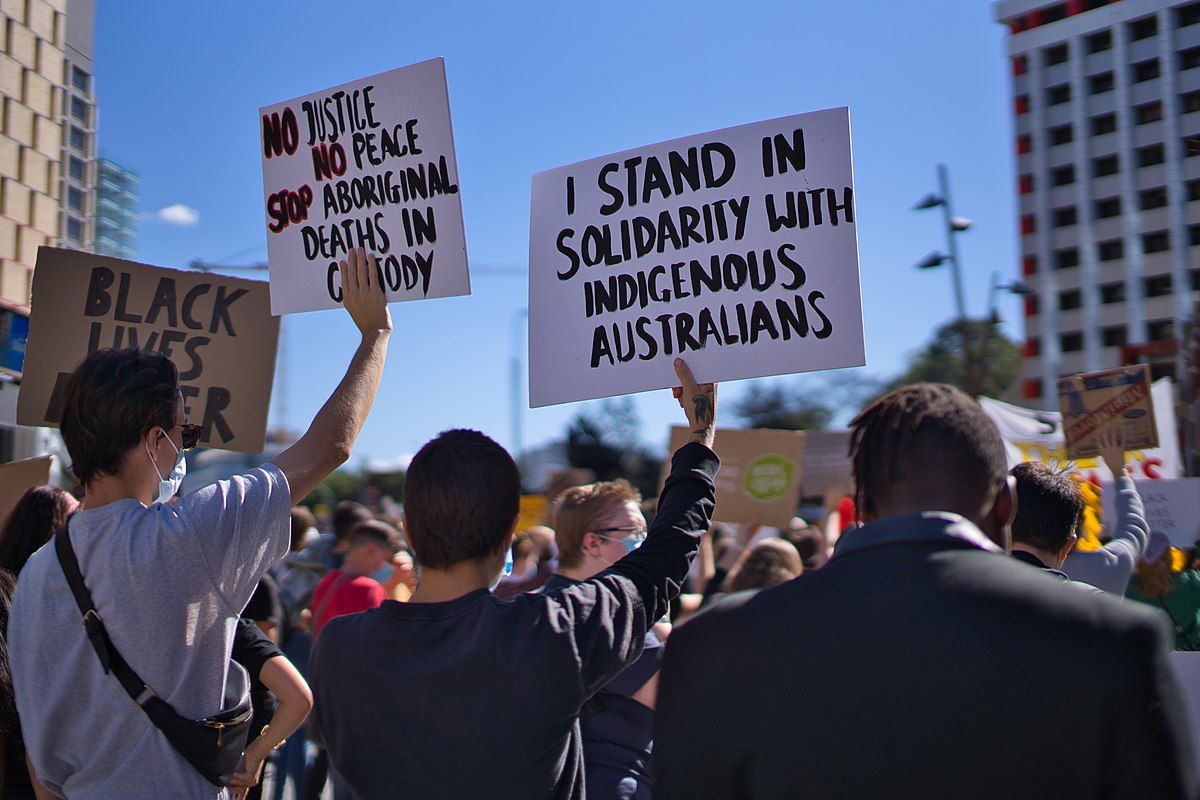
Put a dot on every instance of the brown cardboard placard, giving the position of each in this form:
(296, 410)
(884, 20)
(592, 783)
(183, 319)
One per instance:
(1095, 402)
(218, 330)
(760, 475)
(17, 477)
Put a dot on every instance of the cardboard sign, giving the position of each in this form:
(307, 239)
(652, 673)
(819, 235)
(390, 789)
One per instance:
(218, 330)
(1172, 507)
(760, 475)
(366, 164)
(1033, 435)
(735, 249)
(17, 477)
(1094, 402)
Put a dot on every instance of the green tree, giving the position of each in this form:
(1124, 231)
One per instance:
(770, 405)
(996, 359)
(606, 439)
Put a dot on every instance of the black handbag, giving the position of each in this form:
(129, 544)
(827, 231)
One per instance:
(214, 745)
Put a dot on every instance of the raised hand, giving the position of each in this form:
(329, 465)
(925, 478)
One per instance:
(363, 294)
(1112, 450)
(699, 403)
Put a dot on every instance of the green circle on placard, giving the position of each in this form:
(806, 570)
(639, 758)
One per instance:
(768, 477)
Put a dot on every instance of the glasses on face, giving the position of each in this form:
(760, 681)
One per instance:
(636, 535)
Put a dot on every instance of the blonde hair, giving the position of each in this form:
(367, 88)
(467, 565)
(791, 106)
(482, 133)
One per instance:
(577, 510)
(1155, 580)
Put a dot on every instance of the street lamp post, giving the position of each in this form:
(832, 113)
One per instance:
(517, 419)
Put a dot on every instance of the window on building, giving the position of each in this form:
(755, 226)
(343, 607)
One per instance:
(74, 230)
(1113, 336)
(1193, 190)
(1194, 235)
(1033, 347)
(1191, 146)
(1160, 329)
(1066, 259)
(1196, 280)
(1062, 176)
(75, 198)
(1144, 70)
(1057, 95)
(1070, 300)
(1099, 42)
(1055, 55)
(1157, 286)
(1060, 134)
(1190, 58)
(1189, 102)
(1187, 15)
(1100, 83)
(1152, 198)
(1108, 207)
(78, 139)
(1105, 123)
(1156, 242)
(1112, 293)
(1143, 28)
(1105, 165)
(1146, 113)
(79, 110)
(1149, 156)
(77, 169)
(1111, 250)
(1071, 342)
(81, 80)
(1063, 217)
(1020, 64)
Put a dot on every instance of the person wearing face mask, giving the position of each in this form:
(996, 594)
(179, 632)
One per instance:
(164, 581)
(489, 691)
(595, 526)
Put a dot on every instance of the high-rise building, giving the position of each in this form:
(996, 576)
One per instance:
(1106, 99)
(116, 209)
(79, 112)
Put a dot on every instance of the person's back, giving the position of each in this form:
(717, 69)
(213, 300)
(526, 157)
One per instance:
(939, 667)
(457, 694)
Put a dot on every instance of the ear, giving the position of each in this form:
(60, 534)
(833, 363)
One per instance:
(1003, 512)
(512, 532)
(1067, 548)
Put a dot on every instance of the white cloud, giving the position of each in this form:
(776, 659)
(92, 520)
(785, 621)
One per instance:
(178, 214)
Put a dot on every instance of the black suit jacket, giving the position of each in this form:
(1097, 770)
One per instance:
(920, 663)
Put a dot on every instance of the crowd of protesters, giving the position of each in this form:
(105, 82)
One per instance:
(939, 633)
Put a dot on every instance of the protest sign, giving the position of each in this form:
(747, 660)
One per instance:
(218, 330)
(366, 164)
(1033, 435)
(1172, 507)
(16, 477)
(735, 249)
(760, 473)
(826, 462)
(1112, 399)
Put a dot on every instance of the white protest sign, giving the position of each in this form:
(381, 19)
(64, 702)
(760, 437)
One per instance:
(735, 249)
(366, 164)
(1033, 435)
(1172, 507)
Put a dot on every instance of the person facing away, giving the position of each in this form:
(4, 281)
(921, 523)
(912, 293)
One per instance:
(1110, 567)
(168, 580)
(1175, 595)
(351, 589)
(37, 516)
(948, 670)
(595, 526)
(490, 691)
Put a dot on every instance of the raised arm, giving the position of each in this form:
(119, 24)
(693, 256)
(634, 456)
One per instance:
(1131, 531)
(326, 444)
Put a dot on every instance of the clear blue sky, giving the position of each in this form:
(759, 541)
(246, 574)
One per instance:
(538, 85)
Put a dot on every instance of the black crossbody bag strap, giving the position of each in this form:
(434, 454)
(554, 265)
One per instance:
(1178, 628)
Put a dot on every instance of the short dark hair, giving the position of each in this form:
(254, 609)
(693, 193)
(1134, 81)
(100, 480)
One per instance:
(113, 398)
(302, 522)
(376, 532)
(928, 443)
(461, 497)
(768, 563)
(1049, 506)
(346, 515)
(40, 513)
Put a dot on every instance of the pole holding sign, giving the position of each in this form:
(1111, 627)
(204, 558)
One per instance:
(735, 249)
(366, 164)
(218, 330)
(1111, 399)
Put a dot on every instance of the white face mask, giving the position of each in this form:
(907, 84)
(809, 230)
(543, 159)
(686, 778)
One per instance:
(508, 566)
(168, 486)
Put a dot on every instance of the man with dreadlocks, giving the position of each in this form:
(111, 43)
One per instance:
(943, 668)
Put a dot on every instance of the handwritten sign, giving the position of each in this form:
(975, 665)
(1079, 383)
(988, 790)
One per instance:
(1095, 402)
(17, 477)
(735, 249)
(218, 330)
(366, 164)
(760, 474)
(1034, 435)
(1172, 507)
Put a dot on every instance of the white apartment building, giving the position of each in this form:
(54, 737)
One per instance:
(1106, 101)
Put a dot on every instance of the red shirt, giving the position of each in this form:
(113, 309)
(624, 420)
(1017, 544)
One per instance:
(351, 594)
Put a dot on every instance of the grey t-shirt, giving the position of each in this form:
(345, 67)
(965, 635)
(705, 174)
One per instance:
(169, 583)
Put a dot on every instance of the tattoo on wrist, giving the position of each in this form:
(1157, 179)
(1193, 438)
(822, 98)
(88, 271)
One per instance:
(703, 407)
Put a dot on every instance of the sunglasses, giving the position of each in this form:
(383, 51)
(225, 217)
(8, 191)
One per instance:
(190, 435)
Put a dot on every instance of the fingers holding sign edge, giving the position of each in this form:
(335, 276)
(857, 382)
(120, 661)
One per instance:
(699, 403)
